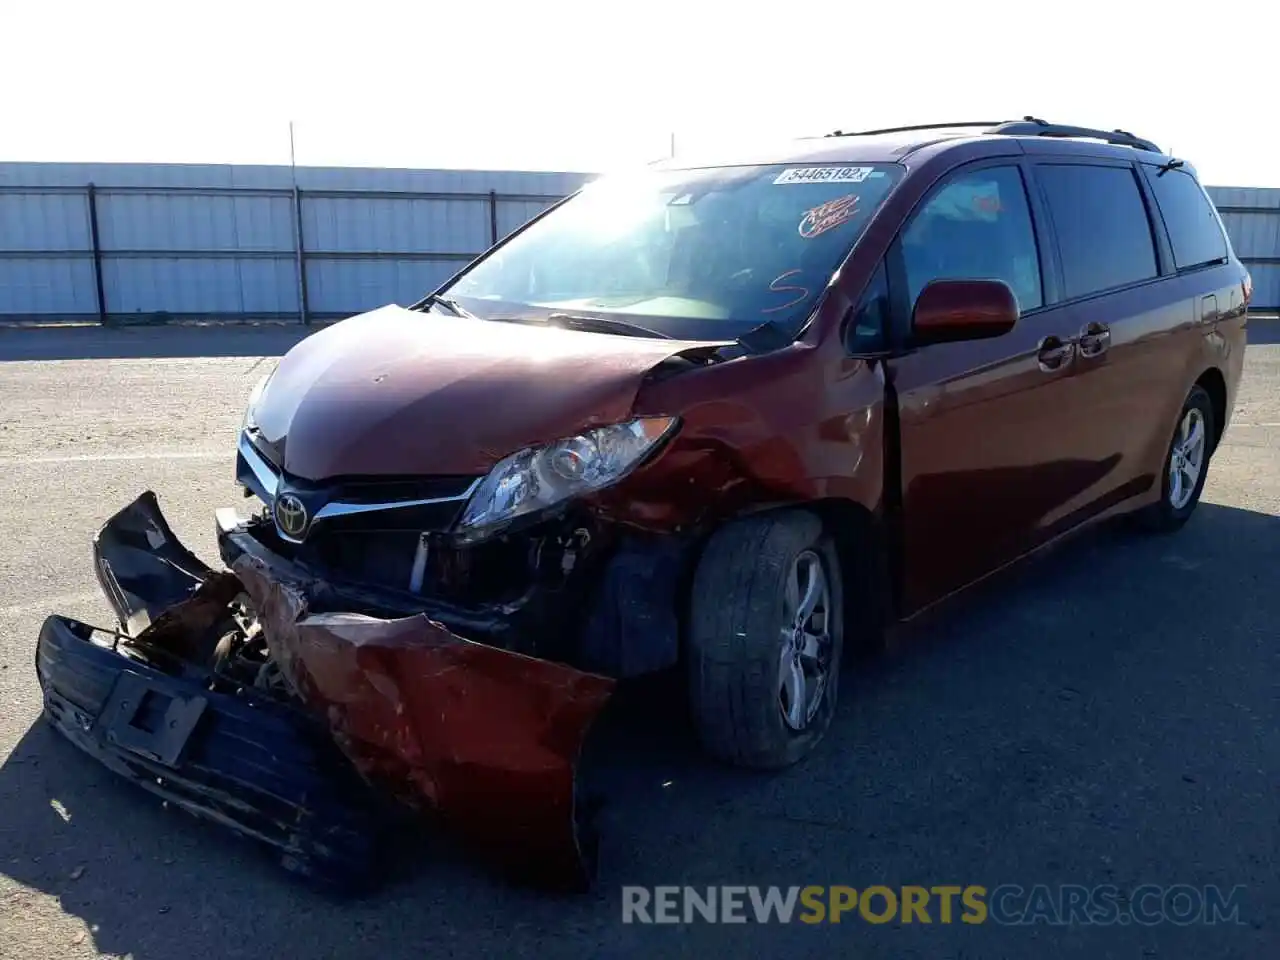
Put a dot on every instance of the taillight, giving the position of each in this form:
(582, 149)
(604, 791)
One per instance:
(1248, 289)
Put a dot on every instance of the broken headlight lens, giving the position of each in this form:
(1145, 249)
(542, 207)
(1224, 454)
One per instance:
(540, 477)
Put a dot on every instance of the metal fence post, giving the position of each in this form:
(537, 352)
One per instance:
(493, 217)
(91, 194)
(300, 257)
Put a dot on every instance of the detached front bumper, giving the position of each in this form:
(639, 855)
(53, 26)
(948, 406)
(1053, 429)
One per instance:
(266, 771)
(486, 738)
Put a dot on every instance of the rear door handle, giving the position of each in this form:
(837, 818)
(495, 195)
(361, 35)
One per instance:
(1055, 353)
(1094, 340)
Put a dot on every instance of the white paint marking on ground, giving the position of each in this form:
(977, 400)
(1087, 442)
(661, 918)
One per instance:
(47, 604)
(95, 457)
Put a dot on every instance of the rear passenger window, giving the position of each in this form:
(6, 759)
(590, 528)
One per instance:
(1101, 223)
(976, 227)
(1193, 227)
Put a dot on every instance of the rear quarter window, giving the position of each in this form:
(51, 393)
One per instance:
(1100, 220)
(1194, 231)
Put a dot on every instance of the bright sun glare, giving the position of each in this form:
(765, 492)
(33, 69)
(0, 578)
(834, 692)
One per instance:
(555, 85)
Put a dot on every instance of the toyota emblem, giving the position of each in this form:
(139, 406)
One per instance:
(291, 516)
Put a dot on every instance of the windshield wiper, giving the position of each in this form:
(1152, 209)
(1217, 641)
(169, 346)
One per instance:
(450, 304)
(604, 325)
(766, 337)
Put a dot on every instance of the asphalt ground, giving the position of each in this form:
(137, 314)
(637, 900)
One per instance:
(1105, 716)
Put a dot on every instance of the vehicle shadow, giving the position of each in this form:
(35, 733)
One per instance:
(1042, 725)
(267, 339)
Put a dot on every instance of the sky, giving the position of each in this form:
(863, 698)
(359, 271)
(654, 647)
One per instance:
(563, 85)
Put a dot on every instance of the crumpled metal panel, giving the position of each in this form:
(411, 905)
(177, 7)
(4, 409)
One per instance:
(488, 738)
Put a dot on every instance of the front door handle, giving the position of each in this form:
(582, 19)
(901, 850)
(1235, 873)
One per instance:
(1094, 340)
(1055, 353)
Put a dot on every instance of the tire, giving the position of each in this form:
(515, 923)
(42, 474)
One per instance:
(1175, 506)
(736, 644)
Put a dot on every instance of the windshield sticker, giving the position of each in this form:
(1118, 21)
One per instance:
(823, 175)
(828, 216)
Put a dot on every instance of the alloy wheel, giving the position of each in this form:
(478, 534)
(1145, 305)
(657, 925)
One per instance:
(805, 656)
(1186, 459)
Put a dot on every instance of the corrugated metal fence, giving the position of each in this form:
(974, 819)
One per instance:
(128, 242)
(147, 241)
(1252, 218)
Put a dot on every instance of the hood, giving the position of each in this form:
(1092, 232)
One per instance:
(399, 392)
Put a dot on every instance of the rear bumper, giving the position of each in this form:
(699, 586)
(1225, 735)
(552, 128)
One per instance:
(487, 738)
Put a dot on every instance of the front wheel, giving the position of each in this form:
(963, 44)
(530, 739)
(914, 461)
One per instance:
(765, 639)
(1186, 465)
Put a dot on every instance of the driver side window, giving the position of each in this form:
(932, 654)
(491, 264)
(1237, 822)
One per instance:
(976, 227)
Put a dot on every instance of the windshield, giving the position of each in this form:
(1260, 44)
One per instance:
(696, 254)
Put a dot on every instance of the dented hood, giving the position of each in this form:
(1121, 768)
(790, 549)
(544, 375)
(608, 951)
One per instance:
(397, 391)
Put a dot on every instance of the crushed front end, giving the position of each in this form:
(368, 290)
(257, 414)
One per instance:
(426, 604)
(225, 692)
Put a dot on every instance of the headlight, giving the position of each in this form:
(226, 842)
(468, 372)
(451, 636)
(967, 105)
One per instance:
(540, 477)
(249, 422)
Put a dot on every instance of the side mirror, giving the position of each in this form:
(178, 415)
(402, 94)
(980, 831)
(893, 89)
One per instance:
(951, 310)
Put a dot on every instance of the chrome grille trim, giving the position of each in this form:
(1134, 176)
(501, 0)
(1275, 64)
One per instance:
(268, 481)
(266, 484)
(339, 508)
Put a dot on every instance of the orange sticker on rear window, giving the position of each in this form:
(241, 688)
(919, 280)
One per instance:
(829, 215)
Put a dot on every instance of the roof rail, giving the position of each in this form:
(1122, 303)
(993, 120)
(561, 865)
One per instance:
(1026, 127)
(1033, 127)
(918, 126)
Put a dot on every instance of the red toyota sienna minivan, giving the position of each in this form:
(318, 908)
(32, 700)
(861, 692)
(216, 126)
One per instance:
(730, 418)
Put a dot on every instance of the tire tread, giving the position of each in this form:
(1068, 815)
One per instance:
(732, 656)
(1160, 517)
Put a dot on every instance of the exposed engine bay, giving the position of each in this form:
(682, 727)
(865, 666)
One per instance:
(603, 600)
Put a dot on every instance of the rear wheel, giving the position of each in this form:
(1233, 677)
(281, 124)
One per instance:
(1186, 465)
(765, 639)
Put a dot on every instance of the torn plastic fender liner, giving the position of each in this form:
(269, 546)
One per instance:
(488, 737)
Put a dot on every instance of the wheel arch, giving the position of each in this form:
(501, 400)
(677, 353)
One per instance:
(871, 589)
(1215, 384)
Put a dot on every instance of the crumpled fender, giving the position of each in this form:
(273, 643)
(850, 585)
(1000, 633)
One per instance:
(487, 737)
